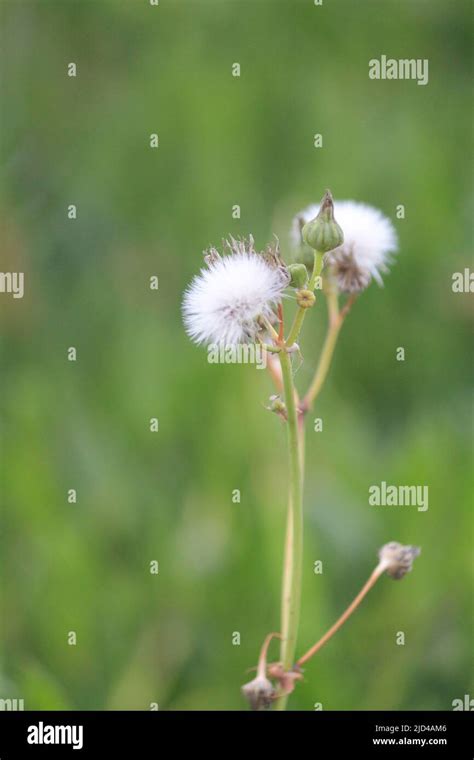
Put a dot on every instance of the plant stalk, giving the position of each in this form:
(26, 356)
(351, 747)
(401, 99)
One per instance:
(324, 364)
(336, 320)
(292, 570)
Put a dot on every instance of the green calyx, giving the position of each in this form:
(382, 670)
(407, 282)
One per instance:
(323, 233)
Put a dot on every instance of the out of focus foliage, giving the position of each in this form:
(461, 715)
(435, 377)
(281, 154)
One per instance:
(167, 496)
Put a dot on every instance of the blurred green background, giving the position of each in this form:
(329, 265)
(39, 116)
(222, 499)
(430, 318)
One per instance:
(167, 496)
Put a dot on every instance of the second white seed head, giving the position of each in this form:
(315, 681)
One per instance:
(369, 241)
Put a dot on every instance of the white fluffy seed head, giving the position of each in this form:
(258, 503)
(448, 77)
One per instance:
(369, 239)
(223, 303)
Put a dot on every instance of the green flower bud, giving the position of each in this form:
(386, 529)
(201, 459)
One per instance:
(323, 233)
(298, 274)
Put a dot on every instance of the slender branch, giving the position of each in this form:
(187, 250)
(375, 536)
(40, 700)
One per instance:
(281, 331)
(292, 570)
(348, 305)
(273, 366)
(300, 314)
(323, 365)
(270, 328)
(332, 299)
(262, 660)
(336, 320)
(381, 567)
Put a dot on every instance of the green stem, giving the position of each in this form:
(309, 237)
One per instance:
(292, 571)
(300, 314)
(336, 320)
(323, 366)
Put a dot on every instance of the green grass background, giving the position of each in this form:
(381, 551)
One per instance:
(143, 638)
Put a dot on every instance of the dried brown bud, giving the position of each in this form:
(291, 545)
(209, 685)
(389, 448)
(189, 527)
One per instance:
(259, 693)
(350, 277)
(397, 558)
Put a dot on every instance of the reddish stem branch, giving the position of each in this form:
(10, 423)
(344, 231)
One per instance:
(281, 331)
(352, 607)
(262, 660)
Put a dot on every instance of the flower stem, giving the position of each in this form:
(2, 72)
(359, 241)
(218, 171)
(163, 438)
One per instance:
(262, 660)
(300, 314)
(292, 570)
(336, 320)
(381, 567)
(323, 365)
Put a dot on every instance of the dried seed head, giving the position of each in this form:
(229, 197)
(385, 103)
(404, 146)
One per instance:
(397, 558)
(369, 241)
(259, 693)
(349, 276)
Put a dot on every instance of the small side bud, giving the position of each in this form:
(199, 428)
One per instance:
(260, 692)
(298, 274)
(276, 405)
(323, 233)
(398, 559)
(305, 298)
